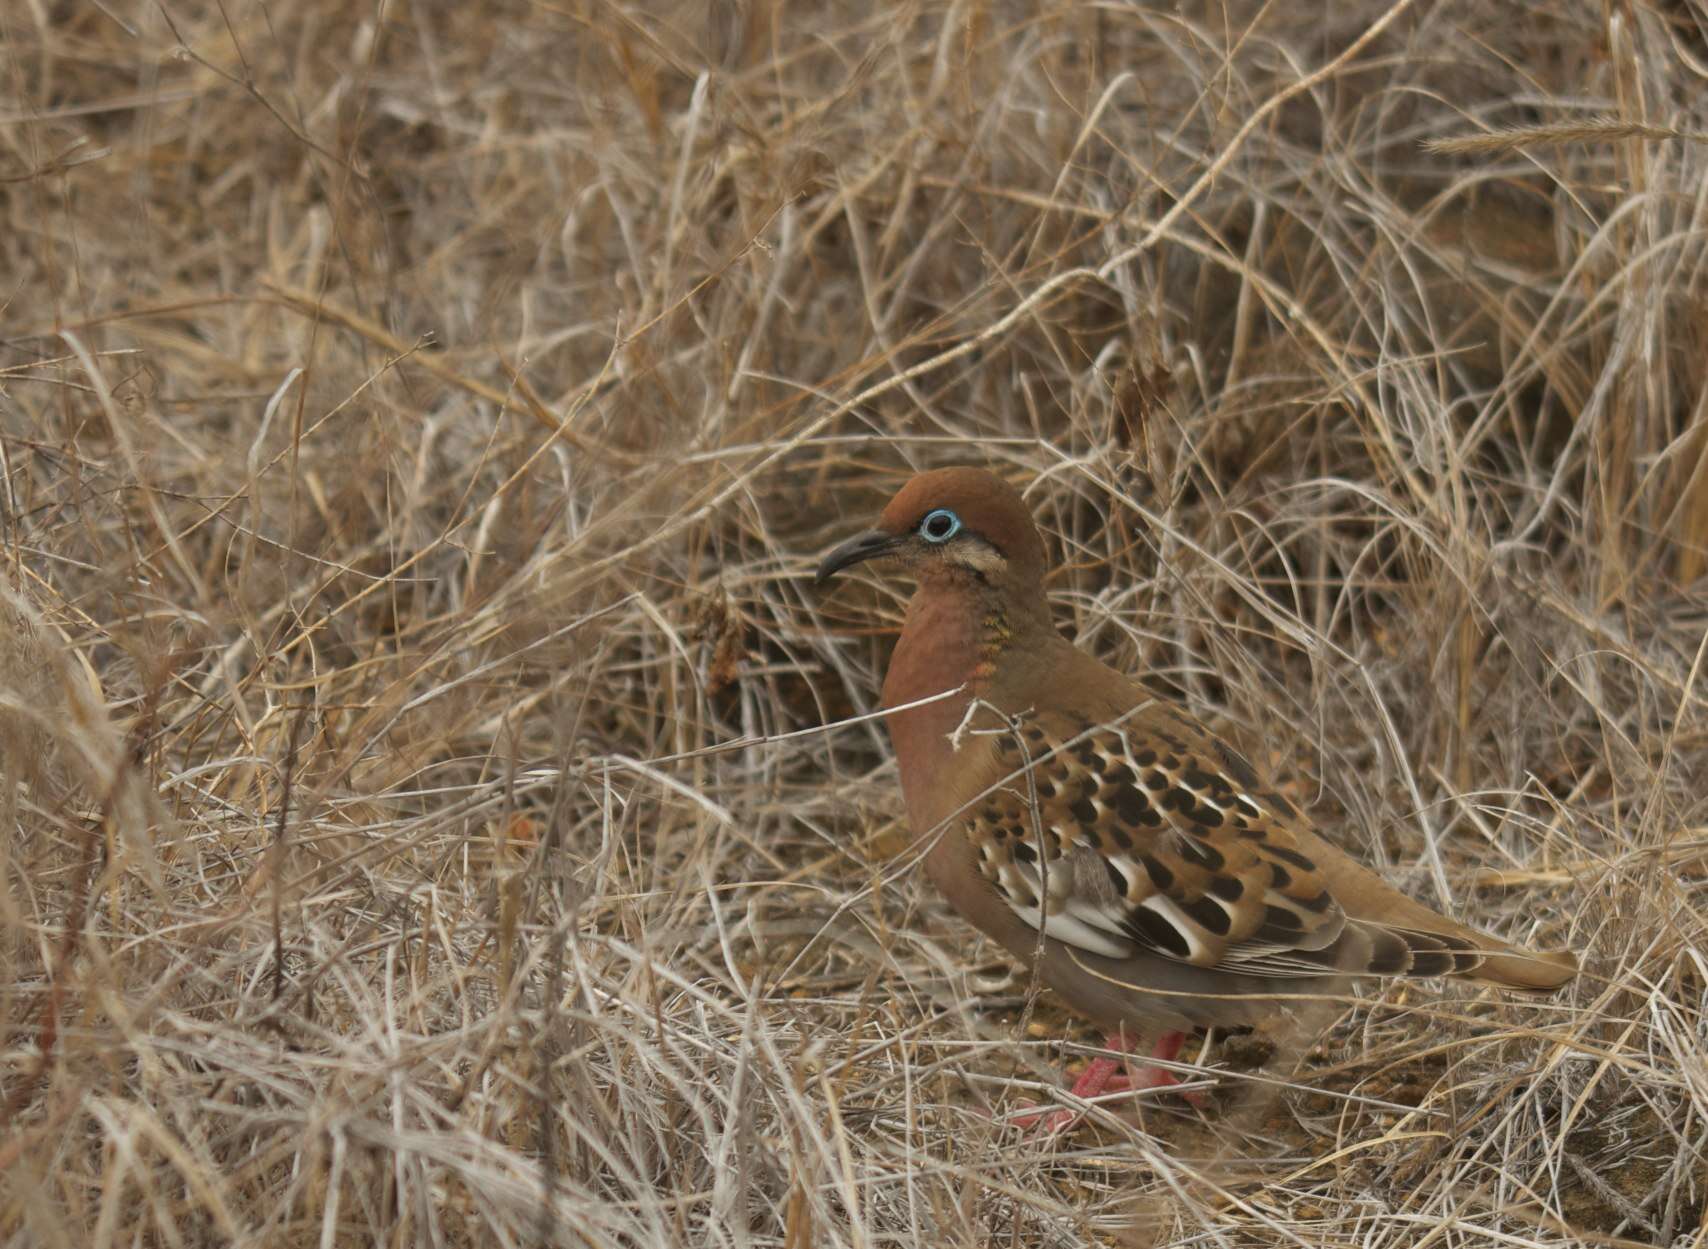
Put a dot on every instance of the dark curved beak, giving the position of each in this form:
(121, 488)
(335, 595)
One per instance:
(865, 546)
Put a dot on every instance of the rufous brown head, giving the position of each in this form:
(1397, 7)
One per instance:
(952, 523)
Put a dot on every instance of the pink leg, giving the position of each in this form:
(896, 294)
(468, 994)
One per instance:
(1167, 1049)
(1099, 1074)
(1104, 1075)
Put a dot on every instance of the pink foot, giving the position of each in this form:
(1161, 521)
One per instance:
(1104, 1075)
(1095, 1079)
(1150, 1077)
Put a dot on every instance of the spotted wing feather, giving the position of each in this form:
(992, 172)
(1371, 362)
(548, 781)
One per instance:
(1152, 836)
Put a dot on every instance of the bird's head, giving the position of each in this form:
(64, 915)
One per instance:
(953, 524)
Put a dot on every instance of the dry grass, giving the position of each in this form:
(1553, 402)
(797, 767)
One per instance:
(419, 423)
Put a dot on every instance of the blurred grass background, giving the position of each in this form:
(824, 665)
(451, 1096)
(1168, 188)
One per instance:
(419, 422)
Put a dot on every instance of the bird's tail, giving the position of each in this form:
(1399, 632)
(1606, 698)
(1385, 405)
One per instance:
(1449, 949)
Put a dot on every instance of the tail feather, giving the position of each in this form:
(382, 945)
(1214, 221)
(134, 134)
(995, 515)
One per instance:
(1437, 954)
(1437, 945)
(1534, 971)
(1396, 951)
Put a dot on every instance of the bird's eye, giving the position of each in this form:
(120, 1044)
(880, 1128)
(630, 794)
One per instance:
(939, 526)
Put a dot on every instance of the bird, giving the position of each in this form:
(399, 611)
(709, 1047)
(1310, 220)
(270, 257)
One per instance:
(1114, 845)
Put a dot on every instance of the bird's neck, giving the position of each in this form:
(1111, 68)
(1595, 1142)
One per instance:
(955, 634)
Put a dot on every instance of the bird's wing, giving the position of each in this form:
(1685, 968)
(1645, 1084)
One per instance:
(1150, 835)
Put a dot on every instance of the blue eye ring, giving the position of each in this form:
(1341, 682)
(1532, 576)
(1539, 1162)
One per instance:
(939, 526)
